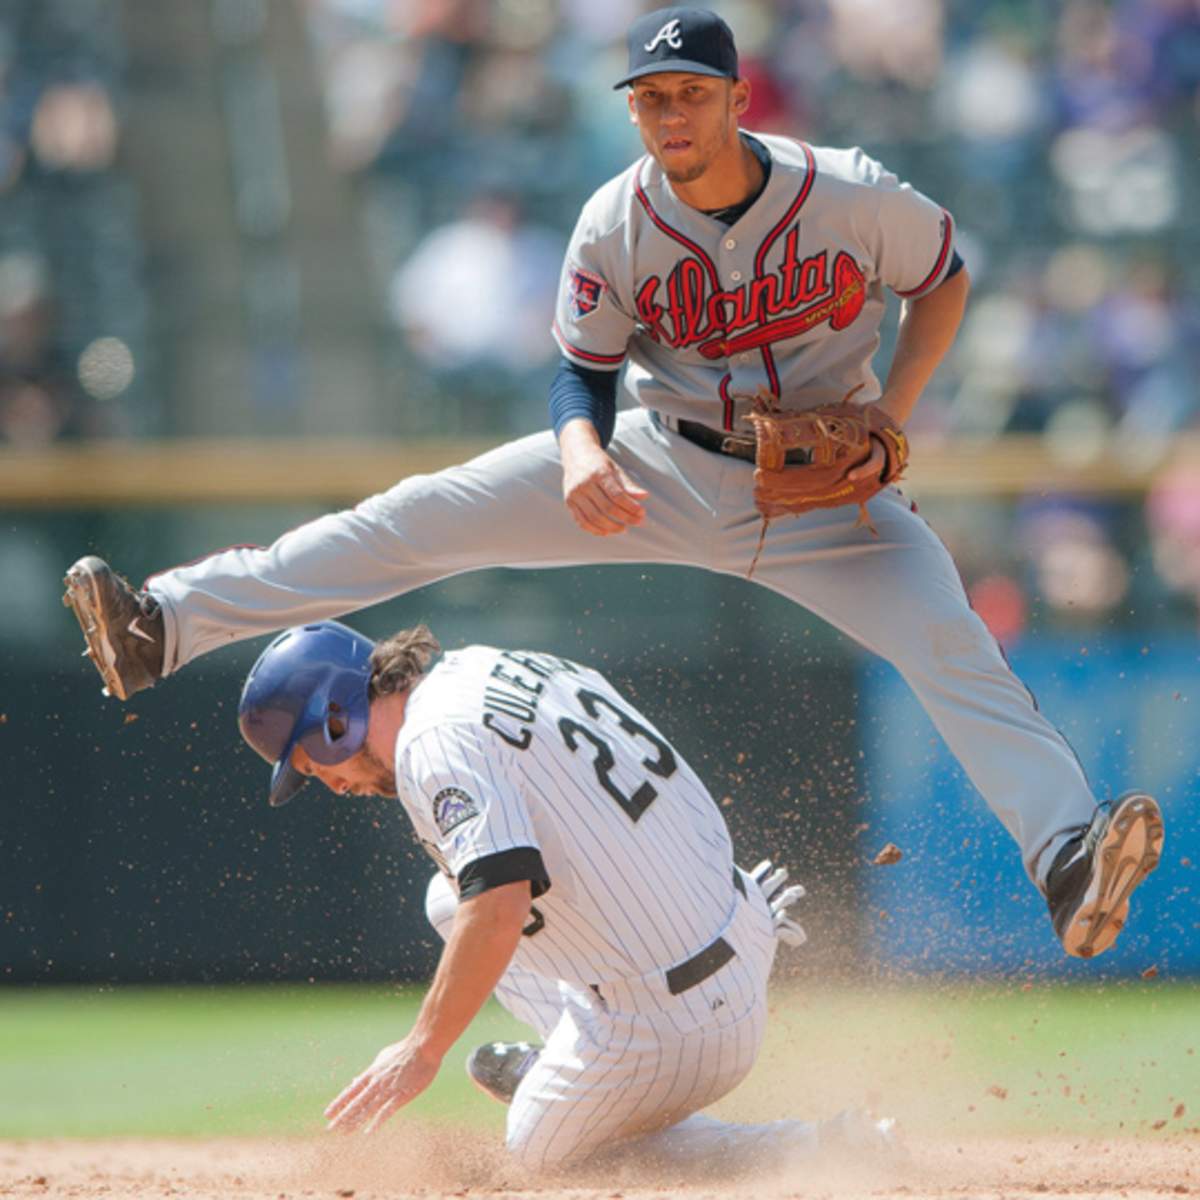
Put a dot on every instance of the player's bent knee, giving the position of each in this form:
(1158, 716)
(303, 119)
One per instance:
(954, 641)
(528, 1154)
(536, 1150)
(400, 504)
(421, 522)
(441, 903)
(530, 1162)
(449, 517)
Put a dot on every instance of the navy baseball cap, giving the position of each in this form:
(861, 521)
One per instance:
(691, 40)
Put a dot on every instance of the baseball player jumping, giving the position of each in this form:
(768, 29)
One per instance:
(733, 284)
(585, 874)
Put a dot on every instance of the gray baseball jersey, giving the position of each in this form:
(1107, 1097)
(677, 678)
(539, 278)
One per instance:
(788, 299)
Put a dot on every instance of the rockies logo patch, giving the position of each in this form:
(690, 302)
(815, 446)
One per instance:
(451, 807)
(584, 292)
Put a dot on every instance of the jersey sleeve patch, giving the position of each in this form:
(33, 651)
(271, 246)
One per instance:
(451, 807)
(584, 291)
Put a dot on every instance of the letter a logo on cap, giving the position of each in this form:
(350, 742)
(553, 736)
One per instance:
(690, 40)
(670, 34)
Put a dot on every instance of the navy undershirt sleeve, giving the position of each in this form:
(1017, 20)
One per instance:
(956, 265)
(579, 392)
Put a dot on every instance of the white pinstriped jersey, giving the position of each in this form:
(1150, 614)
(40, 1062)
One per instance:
(504, 752)
(789, 298)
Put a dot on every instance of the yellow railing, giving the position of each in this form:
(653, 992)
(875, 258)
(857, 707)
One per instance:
(216, 471)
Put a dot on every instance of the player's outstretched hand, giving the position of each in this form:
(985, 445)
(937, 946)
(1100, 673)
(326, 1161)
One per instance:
(400, 1073)
(602, 498)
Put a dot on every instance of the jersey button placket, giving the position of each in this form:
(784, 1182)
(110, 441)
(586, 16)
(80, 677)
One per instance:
(742, 379)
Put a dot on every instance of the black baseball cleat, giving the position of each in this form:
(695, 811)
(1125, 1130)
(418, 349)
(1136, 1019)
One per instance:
(1093, 875)
(498, 1067)
(123, 628)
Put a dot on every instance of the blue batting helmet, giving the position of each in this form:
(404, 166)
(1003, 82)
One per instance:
(302, 679)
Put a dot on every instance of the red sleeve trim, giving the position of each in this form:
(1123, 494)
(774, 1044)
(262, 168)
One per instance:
(942, 258)
(603, 360)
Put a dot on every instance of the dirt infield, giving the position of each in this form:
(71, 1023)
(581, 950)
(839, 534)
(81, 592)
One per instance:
(440, 1163)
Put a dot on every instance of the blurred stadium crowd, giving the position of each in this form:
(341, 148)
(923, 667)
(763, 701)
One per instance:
(72, 300)
(1063, 136)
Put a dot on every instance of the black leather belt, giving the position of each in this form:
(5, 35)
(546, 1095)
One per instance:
(708, 962)
(736, 444)
(700, 966)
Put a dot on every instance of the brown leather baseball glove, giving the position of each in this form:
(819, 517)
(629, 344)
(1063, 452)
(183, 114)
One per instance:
(837, 438)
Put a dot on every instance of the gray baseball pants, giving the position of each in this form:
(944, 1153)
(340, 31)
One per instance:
(897, 594)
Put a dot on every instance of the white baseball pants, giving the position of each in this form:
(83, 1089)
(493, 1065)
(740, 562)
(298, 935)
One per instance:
(898, 593)
(627, 1068)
